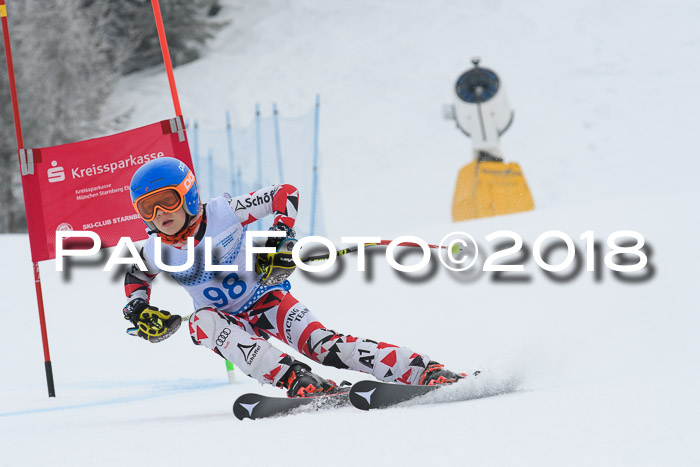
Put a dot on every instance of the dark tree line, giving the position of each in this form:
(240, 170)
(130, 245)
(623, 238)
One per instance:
(68, 55)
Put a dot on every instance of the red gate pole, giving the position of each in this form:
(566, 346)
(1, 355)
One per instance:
(20, 145)
(166, 56)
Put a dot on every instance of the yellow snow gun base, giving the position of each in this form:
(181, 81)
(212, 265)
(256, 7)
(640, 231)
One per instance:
(490, 188)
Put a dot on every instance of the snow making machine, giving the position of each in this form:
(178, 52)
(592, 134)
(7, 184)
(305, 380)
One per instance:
(487, 186)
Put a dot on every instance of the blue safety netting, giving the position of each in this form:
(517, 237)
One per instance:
(271, 149)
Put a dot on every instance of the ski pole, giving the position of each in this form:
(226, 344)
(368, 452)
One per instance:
(455, 249)
(352, 249)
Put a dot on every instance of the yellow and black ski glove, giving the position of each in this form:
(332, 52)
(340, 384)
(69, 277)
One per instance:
(275, 268)
(149, 322)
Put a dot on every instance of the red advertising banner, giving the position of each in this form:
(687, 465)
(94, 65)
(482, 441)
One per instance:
(85, 185)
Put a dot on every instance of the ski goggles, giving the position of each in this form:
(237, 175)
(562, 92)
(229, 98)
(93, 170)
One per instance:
(167, 199)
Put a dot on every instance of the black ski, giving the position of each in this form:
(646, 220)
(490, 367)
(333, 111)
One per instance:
(366, 395)
(256, 406)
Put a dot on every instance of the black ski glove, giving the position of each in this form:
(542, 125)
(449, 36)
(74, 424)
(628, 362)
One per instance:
(276, 241)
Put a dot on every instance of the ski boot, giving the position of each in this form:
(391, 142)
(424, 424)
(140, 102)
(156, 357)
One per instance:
(436, 373)
(299, 381)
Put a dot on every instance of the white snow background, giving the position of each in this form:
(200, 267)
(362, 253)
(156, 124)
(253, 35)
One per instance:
(606, 99)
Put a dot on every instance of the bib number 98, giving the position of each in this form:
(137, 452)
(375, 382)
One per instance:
(234, 288)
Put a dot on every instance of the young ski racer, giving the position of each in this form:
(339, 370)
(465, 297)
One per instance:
(237, 312)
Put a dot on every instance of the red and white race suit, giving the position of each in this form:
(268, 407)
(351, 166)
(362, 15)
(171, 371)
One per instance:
(236, 314)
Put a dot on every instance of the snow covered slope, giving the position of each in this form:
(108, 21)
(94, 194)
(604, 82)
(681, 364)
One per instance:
(605, 98)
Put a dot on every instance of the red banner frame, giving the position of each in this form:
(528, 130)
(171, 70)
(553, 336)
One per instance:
(28, 164)
(85, 185)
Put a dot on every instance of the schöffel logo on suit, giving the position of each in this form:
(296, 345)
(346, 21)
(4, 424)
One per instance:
(249, 352)
(253, 201)
(222, 336)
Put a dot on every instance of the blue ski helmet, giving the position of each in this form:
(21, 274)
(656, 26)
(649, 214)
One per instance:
(164, 183)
